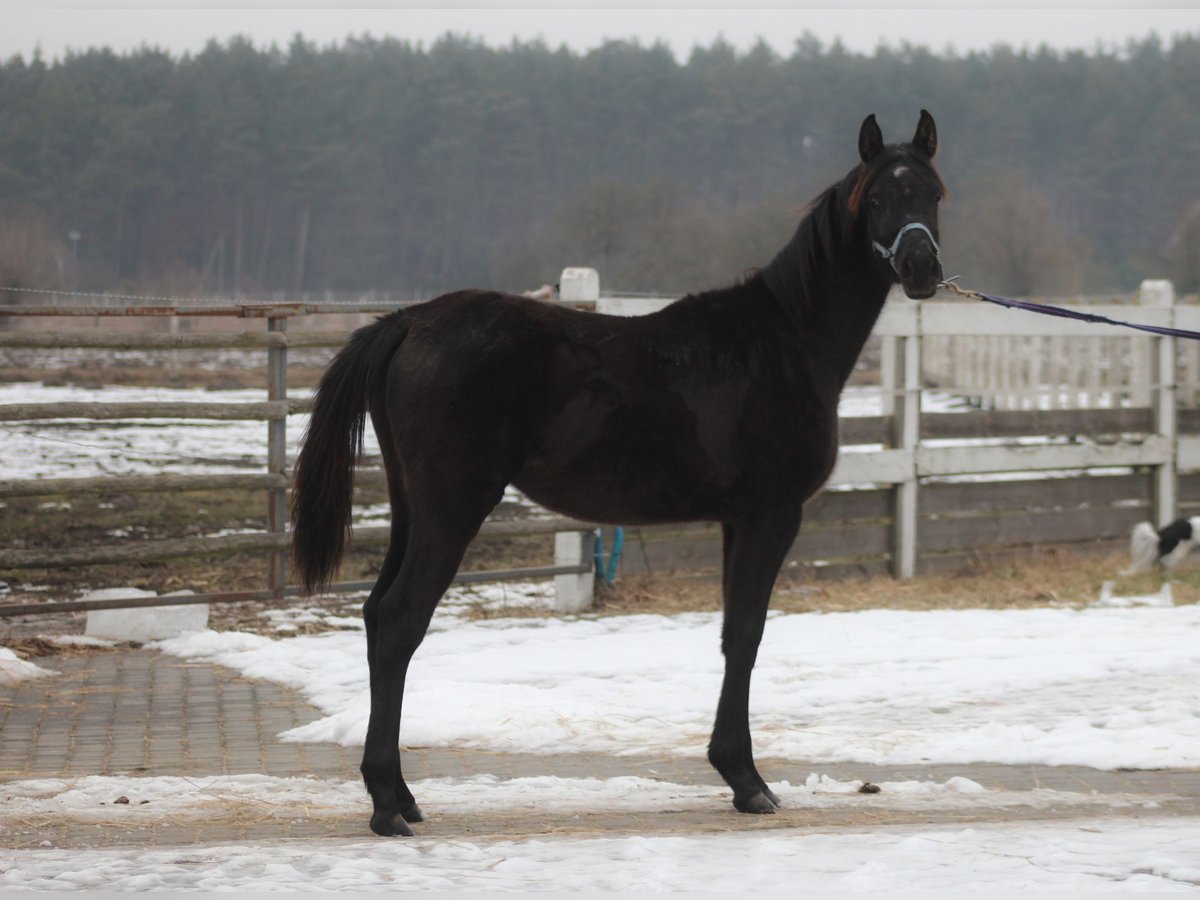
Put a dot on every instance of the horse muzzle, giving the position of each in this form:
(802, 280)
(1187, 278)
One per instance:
(920, 272)
(916, 261)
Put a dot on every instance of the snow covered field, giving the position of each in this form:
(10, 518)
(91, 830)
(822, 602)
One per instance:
(76, 448)
(1102, 687)
(1078, 856)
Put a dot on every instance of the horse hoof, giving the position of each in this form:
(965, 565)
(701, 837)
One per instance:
(390, 825)
(770, 795)
(758, 804)
(413, 814)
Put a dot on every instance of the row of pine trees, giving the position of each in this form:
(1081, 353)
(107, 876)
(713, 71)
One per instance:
(380, 164)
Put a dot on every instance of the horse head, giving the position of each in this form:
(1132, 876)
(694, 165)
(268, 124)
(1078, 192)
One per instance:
(898, 191)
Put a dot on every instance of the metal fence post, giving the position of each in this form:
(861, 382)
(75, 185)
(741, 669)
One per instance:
(277, 455)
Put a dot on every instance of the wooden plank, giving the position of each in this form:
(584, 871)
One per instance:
(1187, 453)
(1049, 493)
(135, 484)
(1188, 421)
(1189, 487)
(150, 484)
(863, 430)
(1189, 495)
(841, 505)
(656, 550)
(835, 570)
(468, 577)
(980, 559)
(877, 467)
(847, 541)
(898, 319)
(38, 412)
(149, 551)
(141, 551)
(962, 460)
(206, 310)
(103, 340)
(1021, 423)
(1026, 528)
(661, 549)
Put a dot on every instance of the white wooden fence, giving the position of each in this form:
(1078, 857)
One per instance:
(916, 337)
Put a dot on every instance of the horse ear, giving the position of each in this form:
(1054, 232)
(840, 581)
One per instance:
(925, 139)
(870, 139)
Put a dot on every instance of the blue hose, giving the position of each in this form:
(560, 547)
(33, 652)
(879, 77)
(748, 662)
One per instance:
(614, 556)
(608, 573)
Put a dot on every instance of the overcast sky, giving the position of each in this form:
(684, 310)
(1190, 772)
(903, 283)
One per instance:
(860, 29)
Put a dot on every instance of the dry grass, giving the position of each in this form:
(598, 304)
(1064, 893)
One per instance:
(1037, 578)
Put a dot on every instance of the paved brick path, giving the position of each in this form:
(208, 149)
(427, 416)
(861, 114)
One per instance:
(139, 712)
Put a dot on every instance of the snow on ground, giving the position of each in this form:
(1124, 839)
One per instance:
(14, 669)
(1069, 855)
(1097, 687)
(1101, 855)
(78, 448)
(172, 799)
(1101, 686)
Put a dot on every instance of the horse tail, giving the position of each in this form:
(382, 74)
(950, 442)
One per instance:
(323, 488)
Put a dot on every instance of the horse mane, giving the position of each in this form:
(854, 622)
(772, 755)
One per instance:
(830, 222)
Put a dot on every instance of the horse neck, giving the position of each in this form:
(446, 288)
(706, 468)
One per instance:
(833, 299)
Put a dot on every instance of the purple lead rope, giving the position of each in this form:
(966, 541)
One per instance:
(1062, 313)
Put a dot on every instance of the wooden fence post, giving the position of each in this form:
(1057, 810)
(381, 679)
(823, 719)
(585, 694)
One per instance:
(277, 456)
(1162, 294)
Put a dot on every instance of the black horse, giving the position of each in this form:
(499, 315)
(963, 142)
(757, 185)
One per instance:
(720, 407)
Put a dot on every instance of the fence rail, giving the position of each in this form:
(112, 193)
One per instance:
(572, 572)
(1050, 446)
(910, 488)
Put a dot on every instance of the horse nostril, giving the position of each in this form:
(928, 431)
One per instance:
(919, 267)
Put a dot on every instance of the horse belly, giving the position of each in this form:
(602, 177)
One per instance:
(619, 478)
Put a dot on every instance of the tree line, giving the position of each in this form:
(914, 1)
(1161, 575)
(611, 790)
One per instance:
(382, 164)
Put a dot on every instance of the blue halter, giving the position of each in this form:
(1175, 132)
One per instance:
(889, 253)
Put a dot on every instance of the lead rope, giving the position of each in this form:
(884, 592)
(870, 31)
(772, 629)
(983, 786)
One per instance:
(1048, 310)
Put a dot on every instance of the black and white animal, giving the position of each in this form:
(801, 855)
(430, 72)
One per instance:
(1166, 546)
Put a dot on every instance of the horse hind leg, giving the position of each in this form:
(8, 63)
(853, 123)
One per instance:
(753, 553)
(388, 573)
(438, 536)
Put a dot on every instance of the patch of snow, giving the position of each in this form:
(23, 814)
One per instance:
(14, 669)
(1108, 599)
(1106, 688)
(1088, 855)
(172, 797)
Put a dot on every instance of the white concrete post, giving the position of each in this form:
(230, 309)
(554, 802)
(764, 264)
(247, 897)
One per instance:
(1162, 294)
(573, 592)
(902, 376)
(579, 285)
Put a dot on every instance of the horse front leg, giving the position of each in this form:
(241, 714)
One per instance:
(753, 552)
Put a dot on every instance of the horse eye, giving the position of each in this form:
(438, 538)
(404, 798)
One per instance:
(874, 203)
